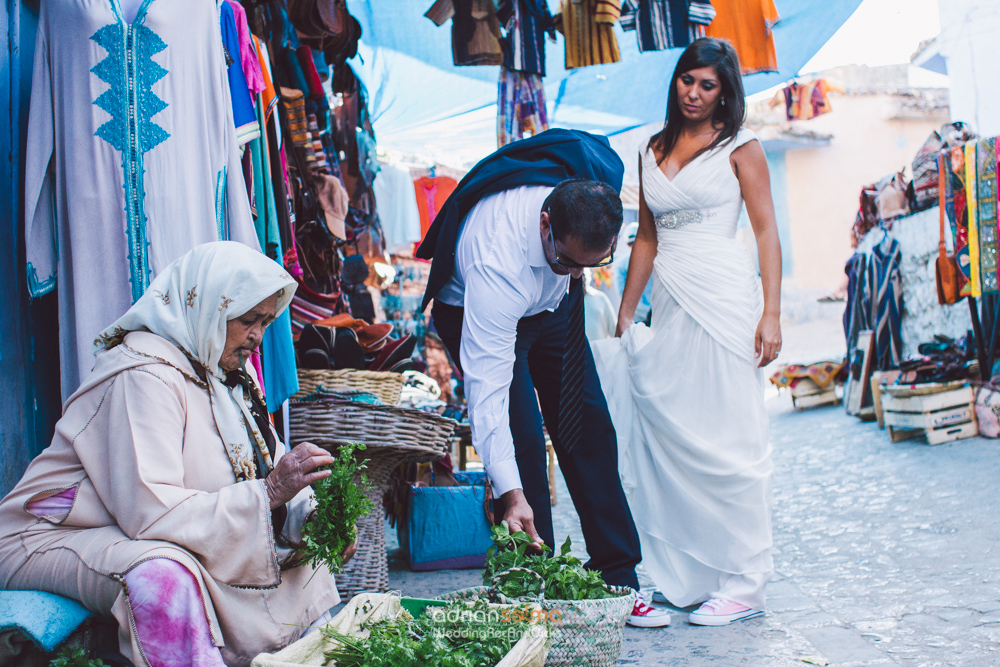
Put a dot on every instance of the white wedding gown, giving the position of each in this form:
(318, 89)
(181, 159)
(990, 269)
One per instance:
(687, 398)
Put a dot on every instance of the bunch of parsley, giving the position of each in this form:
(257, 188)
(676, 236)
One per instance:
(564, 575)
(340, 502)
(481, 638)
(74, 657)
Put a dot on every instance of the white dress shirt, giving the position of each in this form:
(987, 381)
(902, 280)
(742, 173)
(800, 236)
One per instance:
(501, 275)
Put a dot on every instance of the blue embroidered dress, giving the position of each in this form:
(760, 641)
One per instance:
(132, 157)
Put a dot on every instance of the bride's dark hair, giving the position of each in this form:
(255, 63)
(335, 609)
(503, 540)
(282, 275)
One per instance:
(720, 56)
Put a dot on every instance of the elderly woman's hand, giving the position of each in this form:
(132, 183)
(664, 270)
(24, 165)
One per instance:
(295, 471)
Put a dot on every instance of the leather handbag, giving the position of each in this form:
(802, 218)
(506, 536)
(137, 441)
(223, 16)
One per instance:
(891, 200)
(946, 266)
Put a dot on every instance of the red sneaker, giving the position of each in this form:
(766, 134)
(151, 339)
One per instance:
(644, 616)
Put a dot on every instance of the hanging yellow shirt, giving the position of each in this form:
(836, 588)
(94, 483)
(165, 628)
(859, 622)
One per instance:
(588, 26)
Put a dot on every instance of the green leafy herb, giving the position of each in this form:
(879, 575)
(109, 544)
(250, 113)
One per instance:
(461, 634)
(564, 575)
(74, 657)
(340, 502)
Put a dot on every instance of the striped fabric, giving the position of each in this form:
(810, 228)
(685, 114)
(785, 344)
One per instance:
(303, 312)
(883, 295)
(526, 23)
(972, 199)
(321, 164)
(986, 186)
(520, 106)
(702, 13)
(298, 126)
(588, 28)
(659, 24)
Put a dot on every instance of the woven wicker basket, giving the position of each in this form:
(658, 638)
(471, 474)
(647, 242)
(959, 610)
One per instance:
(583, 632)
(392, 436)
(387, 386)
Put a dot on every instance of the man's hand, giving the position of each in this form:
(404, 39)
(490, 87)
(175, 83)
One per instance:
(519, 516)
(295, 471)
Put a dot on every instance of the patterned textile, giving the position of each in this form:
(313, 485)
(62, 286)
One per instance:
(475, 30)
(170, 622)
(520, 106)
(804, 101)
(701, 13)
(317, 145)
(747, 24)
(986, 185)
(973, 209)
(957, 209)
(883, 297)
(588, 26)
(526, 23)
(855, 315)
(659, 24)
(821, 373)
(298, 126)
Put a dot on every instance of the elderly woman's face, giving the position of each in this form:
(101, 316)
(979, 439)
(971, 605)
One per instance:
(244, 333)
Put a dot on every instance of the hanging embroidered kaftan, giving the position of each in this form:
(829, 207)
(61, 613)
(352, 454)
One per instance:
(986, 213)
(132, 158)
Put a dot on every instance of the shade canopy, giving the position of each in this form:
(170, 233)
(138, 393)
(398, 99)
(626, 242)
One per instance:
(423, 105)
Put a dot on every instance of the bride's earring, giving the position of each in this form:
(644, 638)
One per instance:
(723, 101)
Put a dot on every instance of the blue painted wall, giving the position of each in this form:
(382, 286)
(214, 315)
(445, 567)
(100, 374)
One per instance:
(29, 353)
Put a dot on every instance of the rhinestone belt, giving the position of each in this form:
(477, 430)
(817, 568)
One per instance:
(676, 219)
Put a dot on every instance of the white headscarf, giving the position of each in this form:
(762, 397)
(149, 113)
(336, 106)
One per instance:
(189, 304)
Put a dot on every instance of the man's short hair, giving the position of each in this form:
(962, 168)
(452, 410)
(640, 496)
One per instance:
(590, 211)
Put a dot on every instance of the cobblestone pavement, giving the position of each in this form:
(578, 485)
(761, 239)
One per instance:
(885, 554)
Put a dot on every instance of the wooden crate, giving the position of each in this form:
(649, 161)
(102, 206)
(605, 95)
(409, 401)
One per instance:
(941, 417)
(808, 394)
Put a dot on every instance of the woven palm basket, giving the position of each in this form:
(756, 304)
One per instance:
(387, 386)
(581, 632)
(392, 436)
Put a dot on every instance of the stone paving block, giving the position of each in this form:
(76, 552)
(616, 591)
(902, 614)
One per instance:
(842, 645)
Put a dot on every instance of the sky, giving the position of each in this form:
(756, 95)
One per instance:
(880, 32)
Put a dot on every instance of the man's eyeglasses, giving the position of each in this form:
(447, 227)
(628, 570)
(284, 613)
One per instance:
(567, 264)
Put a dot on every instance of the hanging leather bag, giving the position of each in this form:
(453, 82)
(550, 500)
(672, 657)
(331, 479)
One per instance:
(946, 266)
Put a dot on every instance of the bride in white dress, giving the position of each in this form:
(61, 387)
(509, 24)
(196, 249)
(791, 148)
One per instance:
(686, 393)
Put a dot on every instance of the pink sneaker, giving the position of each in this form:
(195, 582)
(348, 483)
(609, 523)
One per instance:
(718, 611)
(644, 616)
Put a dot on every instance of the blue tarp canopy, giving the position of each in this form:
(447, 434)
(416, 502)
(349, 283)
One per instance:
(423, 105)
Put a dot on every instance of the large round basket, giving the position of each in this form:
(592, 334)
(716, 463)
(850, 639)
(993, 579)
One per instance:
(392, 436)
(386, 386)
(581, 632)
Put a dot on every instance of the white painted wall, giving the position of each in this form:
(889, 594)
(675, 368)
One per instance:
(969, 39)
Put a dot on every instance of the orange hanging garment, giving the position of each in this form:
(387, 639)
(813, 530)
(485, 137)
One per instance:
(747, 25)
(432, 192)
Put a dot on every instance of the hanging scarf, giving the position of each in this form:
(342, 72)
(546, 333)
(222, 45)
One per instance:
(189, 304)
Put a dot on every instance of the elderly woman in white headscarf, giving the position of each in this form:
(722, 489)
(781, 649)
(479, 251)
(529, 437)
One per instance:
(165, 499)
